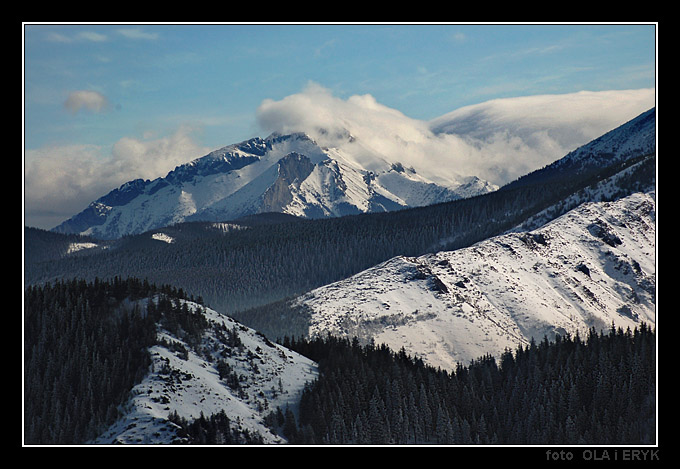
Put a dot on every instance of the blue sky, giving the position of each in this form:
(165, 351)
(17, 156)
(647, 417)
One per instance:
(155, 77)
(101, 89)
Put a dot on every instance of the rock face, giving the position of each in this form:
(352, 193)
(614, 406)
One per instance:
(293, 169)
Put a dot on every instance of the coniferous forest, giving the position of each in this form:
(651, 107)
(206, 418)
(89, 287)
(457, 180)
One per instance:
(86, 346)
(594, 391)
(252, 268)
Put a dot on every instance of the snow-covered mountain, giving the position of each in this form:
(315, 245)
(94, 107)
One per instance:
(185, 381)
(591, 267)
(587, 261)
(282, 173)
(630, 140)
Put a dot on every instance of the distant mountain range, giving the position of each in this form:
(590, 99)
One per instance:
(280, 255)
(281, 173)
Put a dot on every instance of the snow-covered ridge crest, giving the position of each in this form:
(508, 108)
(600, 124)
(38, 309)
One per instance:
(290, 174)
(591, 267)
(189, 384)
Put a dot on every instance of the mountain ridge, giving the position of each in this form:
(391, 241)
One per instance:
(591, 267)
(187, 382)
(286, 173)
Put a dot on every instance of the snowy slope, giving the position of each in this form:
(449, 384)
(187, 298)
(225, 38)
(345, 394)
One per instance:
(282, 173)
(627, 142)
(271, 376)
(592, 266)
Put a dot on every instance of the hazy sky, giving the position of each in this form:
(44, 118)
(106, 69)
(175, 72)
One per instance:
(105, 103)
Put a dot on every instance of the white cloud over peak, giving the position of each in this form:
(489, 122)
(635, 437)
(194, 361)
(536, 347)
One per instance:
(498, 141)
(376, 129)
(514, 136)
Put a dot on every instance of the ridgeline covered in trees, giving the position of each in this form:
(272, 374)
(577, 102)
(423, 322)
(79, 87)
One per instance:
(265, 262)
(85, 347)
(597, 391)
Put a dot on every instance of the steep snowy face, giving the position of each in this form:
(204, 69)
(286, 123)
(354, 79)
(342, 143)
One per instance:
(590, 268)
(282, 173)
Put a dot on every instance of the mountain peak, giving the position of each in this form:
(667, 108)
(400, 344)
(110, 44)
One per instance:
(289, 173)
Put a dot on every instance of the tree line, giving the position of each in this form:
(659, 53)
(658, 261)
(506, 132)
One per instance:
(594, 391)
(216, 429)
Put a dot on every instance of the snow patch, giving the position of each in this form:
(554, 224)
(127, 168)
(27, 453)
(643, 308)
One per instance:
(75, 247)
(227, 227)
(163, 237)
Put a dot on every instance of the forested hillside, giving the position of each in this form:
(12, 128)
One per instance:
(89, 324)
(244, 268)
(85, 346)
(597, 390)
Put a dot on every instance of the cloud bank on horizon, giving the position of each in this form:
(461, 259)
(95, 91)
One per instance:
(60, 181)
(498, 141)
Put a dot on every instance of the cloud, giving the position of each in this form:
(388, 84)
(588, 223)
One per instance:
(497, 141)
(84, 36)
(56, 37)
(377, 129)
(87, 100)
(92, 36)
(514, 136)
(458, 37)
(62, 180)
(137, 34)
(148, 159)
